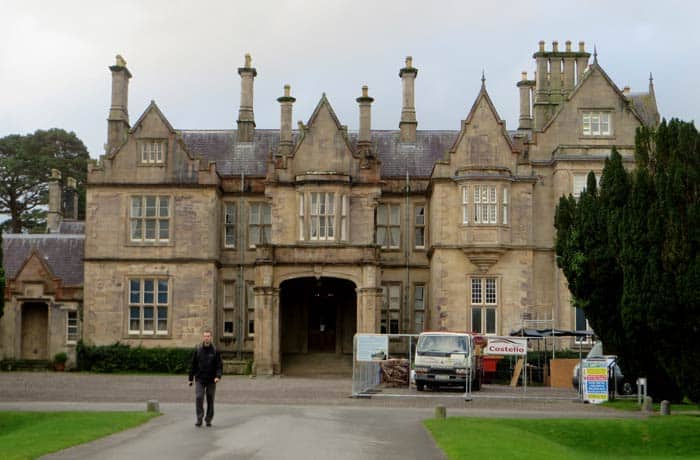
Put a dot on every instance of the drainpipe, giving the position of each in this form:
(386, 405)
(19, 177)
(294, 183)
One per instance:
(407, 292)
(241, 281)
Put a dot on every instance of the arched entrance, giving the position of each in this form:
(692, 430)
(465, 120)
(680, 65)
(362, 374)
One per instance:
(35, 322)
(318, 320)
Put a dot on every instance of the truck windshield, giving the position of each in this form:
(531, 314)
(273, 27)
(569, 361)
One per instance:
(442, 344)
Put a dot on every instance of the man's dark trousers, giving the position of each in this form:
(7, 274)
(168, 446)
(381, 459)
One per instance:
(202, 389)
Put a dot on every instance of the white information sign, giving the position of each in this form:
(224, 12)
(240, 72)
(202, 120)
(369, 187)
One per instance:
(372, 347)
(595, 380)
(506, 346)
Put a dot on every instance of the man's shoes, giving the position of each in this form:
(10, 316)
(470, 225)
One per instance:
(208, 423)
(199, 423)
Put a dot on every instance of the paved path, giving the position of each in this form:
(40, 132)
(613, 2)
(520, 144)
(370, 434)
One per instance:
(269, 418)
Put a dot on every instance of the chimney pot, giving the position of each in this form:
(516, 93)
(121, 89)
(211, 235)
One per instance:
(568, 46)
(626, 90)
(523, 75)
(287, 90)
(581, 47)
(365, 91)
(541, 46)
(555, 46)
(409, 62)
(248, 60)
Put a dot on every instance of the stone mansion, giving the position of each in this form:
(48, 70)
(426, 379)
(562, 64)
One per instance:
(289, 241)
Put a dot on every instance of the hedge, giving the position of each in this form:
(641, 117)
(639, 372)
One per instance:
(121, 357)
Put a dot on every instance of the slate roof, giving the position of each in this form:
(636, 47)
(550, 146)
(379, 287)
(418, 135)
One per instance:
(62, 253)
(645, 105)
(233, 159)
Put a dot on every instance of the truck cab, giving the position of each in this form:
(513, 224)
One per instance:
(446, 359)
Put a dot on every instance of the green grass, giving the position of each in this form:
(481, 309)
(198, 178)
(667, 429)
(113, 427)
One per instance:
(25, 435)
(655, 437)
(631, 405)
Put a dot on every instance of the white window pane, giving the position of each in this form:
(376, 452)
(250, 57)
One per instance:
(136, 207)
(395, 215)
(476, 290)
(254, 235)
(331, 204)
(254, 214)
(395, 237)
(381, 215)
(150, 206)
(267, 234)
(420, 215)
(266, 214)
(150, 229)
(418, 321)
(163, 229)
(164, 210)
(136, 231)
(381, 236)
(331, 229)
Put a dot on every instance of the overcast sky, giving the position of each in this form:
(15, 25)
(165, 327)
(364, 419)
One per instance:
(54, 57)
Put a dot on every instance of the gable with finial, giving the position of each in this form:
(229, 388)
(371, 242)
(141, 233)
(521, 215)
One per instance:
(323, 146)
(483, 142)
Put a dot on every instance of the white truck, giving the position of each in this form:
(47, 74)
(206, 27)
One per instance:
(446, 359)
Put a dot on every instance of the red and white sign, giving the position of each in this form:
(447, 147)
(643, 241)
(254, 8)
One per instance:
(506, 346)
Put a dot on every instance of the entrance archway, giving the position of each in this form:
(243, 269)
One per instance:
(35, 322)
(318, 319)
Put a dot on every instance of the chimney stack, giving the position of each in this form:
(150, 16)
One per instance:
(55, 214)
(540, 106)
(286, 103)
(246, 119)
(555, 73)
(365, 103)
(569, 70)
(581, 61)
(525, 87)
(70, 199)
(408, 122)
(118, 120)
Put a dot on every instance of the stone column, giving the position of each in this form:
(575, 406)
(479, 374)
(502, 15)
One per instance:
(118, 119)
(246, 118)
(267, 328)
(408, 122)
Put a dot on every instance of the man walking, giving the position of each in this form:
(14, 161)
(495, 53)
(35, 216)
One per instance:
(206, 371)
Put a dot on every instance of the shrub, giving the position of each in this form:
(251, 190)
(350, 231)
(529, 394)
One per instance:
(121, 357)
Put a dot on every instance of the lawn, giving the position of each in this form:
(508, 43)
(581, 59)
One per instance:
(631, 405)
(25, 435)
(654, 437)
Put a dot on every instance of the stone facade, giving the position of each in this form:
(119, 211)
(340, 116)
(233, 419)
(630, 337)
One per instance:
(290, 241)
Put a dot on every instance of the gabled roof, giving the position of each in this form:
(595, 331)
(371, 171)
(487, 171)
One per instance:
(61, 253)
(595, 67)
(483, 95)
(152, 107)
(323, 103)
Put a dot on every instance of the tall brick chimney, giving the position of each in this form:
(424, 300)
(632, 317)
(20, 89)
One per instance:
(118, 120)
(408, 122)
(246, 119)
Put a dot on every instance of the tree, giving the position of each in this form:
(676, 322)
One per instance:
(2, 281)
(631, 255)
(25, 166)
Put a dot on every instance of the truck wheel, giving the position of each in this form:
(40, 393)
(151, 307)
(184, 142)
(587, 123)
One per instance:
(420, 386)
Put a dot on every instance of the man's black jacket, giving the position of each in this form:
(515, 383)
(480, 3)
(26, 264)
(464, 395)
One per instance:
(206, 364)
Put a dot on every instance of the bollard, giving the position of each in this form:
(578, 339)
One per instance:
(647, 404)
(152, 405)
(665, 407)
(440, 412)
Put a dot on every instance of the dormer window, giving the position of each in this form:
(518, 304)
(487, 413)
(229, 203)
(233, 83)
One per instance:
(596, 123)
(152, 152)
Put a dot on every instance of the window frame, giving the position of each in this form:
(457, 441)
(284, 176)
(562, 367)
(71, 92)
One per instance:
(391, 312)
(150, 155)
(261, 225)
(228, 291)
(156, 306)
(387, 226)
(72, 337)
(419, 307)
(591, 128)
(142, 220)
(230, 226)
(419, 227)
(484, 302)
